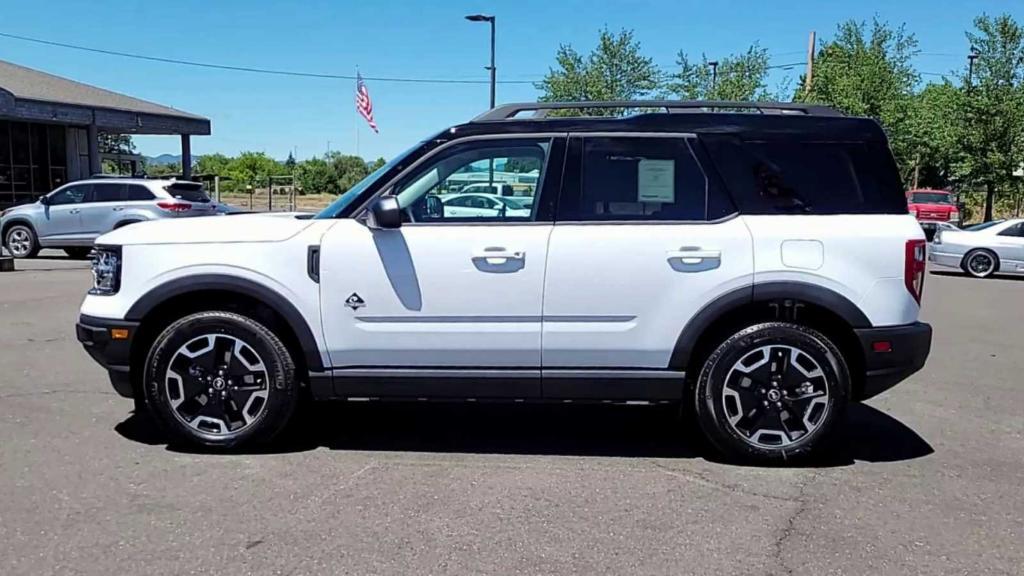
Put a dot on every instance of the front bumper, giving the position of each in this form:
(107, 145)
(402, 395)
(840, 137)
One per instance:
(907, 349)
(113, 354)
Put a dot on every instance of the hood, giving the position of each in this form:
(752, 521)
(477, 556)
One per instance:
(20, 209)
(210, 229)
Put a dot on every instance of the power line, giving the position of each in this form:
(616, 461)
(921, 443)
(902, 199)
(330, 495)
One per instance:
(254, 70)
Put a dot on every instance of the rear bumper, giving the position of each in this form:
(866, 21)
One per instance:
(908, 348)
(944, 258)
(95, 336)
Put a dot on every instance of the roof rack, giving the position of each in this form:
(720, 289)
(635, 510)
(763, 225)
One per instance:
(540, 109)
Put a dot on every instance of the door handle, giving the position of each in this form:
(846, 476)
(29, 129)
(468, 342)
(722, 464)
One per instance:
(118, 208)
(497, 255)
(74, 211)
(694, 259)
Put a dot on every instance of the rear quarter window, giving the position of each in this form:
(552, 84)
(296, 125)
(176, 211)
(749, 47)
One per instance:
(811, 178)
(190, 192)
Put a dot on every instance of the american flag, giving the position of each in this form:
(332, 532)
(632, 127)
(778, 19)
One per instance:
(363, 103)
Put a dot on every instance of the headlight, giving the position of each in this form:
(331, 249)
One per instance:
(106, 270)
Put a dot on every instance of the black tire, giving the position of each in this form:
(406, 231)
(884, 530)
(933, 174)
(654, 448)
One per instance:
(21, 241)
(793, 394)
(78, 253)
(976, 257)
(279, 388)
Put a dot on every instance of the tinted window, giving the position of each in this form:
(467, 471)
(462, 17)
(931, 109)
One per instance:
(69, 195)
(929, 198)
(982, 226)
(136, 193)
(808, 177)
(433, 193)
(188, 191)
(637, 178)
(1015, 230)
(107, 192)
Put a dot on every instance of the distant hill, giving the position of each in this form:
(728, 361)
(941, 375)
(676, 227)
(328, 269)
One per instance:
(167, 159)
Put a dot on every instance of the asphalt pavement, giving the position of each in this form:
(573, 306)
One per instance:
(927, 478)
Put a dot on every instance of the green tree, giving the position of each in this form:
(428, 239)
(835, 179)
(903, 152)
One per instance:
(315, 176)
(868, 72)
(936, 131)
(215, 164)
(115, 143)
(993, 140)
(742, 77)
(348, 169)
(378, 163)
(253, 168)
(614, 70)
(289, 164)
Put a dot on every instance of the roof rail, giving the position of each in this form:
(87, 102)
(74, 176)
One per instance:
(541, 109)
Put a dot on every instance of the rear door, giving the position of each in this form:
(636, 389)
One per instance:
(102, 211)
(643, 239)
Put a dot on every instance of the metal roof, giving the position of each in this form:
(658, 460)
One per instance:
(28, 84)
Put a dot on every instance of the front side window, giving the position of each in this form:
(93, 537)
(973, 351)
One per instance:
(471, 182)
(69, 195)
(637, 178)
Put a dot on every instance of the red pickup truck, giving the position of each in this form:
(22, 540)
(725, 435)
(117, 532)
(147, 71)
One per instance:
(931, 207)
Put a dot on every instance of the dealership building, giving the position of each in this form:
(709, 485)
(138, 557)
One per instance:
(50, 126)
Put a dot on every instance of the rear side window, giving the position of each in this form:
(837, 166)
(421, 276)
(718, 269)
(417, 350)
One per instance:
(107, 192)
(787, 177)
(188, 191)
(628, 178)
(136, 193)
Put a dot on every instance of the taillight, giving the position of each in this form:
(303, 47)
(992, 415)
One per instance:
(174, 206)
(913, 271)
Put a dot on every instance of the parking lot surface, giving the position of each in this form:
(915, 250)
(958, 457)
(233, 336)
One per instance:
(927, 478)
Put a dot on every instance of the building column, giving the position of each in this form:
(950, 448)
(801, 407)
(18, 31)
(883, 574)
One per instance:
(94, 151)
(186, 156)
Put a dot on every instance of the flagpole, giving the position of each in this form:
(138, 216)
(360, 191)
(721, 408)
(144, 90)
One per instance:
(356, 112)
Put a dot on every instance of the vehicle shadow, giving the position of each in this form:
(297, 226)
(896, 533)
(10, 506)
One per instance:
(996, 276)
(869, 435)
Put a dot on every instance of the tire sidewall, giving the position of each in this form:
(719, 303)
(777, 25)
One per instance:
(280, 371)
(970, 255)
(709, 404)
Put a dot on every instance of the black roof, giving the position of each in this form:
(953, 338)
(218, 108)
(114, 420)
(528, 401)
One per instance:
(751, 120)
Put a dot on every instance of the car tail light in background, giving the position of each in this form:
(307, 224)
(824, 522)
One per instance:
(174, 206)
(913, 271)
(954, 215)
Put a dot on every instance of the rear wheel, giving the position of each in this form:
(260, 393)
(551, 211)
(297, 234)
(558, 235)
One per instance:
(220, 379)
(772, 392)
(21, 241)
(980, 263)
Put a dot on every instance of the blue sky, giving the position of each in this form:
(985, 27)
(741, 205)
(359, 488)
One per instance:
(408, 39)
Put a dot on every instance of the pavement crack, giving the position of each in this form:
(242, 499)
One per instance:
(723, 486)
(778, 546)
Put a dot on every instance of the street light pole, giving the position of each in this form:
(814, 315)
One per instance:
(970, 66)
(489, 19)
(714, 74)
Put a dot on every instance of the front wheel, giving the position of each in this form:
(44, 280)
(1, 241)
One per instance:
(220, 379)
(21, 241)
(772, 393)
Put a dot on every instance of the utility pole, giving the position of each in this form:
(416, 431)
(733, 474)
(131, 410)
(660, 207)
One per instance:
(714, 74)
(809, 76)
(970, 66)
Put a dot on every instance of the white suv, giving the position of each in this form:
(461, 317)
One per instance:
(757, 266)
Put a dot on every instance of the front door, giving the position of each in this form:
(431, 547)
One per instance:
(643, 239)
(445, 292)
(62, 216)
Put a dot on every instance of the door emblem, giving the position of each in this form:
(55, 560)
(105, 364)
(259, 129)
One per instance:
(354, 302)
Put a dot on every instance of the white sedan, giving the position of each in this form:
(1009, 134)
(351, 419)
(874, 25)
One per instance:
(486, 206)
(983, 249)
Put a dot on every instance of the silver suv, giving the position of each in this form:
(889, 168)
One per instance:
(74, 215)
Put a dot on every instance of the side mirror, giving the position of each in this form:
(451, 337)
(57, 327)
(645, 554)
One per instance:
(385, 213)
(44, 200)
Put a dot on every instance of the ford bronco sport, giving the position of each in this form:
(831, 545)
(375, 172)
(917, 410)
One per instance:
(754, 263)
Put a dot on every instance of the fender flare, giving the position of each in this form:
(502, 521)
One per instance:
(762, 292)
(179, 286)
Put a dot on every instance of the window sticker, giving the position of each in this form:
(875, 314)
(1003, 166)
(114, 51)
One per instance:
(656, 180)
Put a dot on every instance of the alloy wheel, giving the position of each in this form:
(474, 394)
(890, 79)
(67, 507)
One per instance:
(981, 264)
(217, 384)
(775, 395)
(19, 242)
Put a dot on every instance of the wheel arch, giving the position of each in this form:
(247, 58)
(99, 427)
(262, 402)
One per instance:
(814, 306)
(14, 222)
(211, 291)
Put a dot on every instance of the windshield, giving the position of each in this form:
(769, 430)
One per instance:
(983, 225)
(929, 198)
(355, 191)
